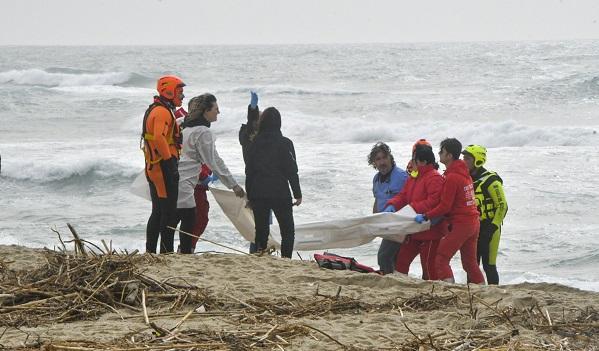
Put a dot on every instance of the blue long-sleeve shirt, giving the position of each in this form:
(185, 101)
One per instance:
(386, 189)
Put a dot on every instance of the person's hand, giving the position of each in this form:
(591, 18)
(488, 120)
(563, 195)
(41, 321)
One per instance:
(420, 218)
(297, 202)
(238, 191)
(253, 100)
(389, 208)
(210, 179)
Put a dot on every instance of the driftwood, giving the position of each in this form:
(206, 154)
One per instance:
(91, 281)
(208, 241)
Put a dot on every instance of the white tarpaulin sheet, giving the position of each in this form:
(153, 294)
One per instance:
(140, 186)
(335, 234)
(342, 233)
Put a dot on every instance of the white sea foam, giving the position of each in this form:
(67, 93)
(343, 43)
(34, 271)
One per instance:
(64, 169)
(54, 162)
(530, 277)
(270, 90)
(500, 134)
(10, 239)
(305, 127)
(104, 90)
(36, 76)
(69, 135)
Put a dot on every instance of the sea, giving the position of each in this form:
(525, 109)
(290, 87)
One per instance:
(70, 124)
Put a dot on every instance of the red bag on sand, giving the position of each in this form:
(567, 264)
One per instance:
(332, 261)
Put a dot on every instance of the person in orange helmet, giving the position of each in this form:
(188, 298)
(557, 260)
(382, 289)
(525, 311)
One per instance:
(421, 192)
(161, 143)
(411, 169)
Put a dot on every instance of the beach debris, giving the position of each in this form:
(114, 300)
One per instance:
(92, 281)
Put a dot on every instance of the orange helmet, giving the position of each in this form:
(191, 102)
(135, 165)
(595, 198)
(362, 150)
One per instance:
(171, 88)
(411, 168)
(420, 142)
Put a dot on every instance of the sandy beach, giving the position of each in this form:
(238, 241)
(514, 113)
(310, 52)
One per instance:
(51, 300)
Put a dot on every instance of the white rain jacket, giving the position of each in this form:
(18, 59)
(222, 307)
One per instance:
(198, 148)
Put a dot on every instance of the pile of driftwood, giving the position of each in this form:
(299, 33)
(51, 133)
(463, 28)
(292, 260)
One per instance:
(82, 285)
(91, 281)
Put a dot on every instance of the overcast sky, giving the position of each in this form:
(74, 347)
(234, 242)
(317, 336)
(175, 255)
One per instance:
(196, 22)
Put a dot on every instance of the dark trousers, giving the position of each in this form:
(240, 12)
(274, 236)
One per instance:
(283, 210)
(387, 255)
(163, 213)
(253, 248)
(187, 217)
(483, 248)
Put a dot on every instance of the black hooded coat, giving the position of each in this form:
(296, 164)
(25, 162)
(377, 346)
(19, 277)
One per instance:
(271, 166)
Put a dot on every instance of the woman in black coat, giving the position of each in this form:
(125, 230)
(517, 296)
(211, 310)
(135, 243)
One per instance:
(270, 170)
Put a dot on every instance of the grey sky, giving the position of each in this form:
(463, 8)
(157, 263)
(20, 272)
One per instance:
(189, 22)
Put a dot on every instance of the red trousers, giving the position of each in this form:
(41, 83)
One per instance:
(462, 237)
(202, 208)
(424, 244)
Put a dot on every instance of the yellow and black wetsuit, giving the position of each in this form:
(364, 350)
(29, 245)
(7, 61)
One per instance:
(492, 207)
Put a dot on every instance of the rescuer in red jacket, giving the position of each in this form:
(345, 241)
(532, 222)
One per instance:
(421, 191)
(458, 205)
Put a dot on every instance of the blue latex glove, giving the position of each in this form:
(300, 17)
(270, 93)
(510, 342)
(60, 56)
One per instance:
(205, 181)
(210, 179)
(253, 100)
(420, 218)
(389, 208)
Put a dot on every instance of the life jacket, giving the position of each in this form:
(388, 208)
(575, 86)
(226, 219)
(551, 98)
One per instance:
(485, 204)
(332, 261)
(173, 137)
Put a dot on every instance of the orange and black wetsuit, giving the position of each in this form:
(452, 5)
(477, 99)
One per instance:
(161, 144)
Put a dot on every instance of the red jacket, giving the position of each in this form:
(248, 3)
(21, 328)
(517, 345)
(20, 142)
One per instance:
(423, 194)
(457, 203)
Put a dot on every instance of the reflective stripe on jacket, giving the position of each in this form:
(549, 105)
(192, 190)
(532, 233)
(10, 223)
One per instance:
(490, 198)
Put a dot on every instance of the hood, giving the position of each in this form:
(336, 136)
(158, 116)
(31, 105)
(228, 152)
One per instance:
(458, 167)
(426, 168)
(270, 121)
(195, 119)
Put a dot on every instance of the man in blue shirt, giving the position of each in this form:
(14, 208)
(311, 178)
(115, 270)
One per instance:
(388, 181)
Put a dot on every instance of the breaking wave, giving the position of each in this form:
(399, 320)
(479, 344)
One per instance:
(54, 77)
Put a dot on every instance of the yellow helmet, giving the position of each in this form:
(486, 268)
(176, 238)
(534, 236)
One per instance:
(479, 153)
